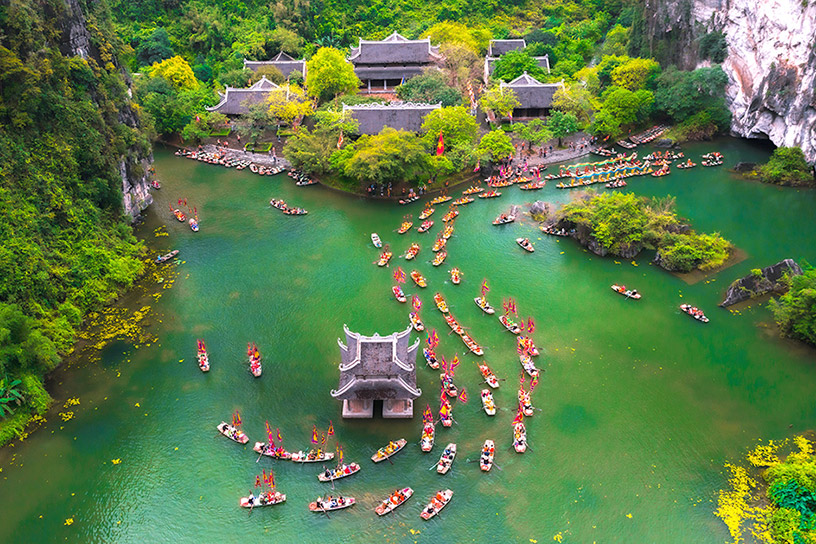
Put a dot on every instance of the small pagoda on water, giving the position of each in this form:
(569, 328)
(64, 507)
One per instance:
(377, 368)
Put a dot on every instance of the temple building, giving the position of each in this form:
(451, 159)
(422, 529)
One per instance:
(377, 368)
(382, 65)
(497, 48)
(535, 97)
(283, 62)
(235, 101)
(372, 118)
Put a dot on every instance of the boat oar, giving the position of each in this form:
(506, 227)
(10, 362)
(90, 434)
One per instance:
(259, 456)
(497, 466)
(324, 509)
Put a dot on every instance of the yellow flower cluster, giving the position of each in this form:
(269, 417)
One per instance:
(66, 416)
(71, 402)
(765, 455)
(734, 507)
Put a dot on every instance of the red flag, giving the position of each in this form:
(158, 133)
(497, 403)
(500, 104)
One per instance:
(236, 419)
(521, 381)
(533, 383)
(271, 479)
(519, 416)
(454, 363)
(440, 147)
(463, 395)
(330, 432)
(339, 455)
(416, 303)
(280, 438)
(478, 166)
(269, 435)
(399, 275)
(322, 439)
(314, 434)
(530, 325)
(340, 140)
(257, 481)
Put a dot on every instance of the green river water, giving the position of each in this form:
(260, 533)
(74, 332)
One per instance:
(640, 404)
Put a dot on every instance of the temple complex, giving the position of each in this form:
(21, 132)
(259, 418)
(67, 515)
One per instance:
(384, 64)
(236, 101)
(372, 118)
(377, 368)
(535, 97)
(283, 62)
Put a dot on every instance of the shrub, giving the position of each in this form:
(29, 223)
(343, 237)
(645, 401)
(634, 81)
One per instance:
(787, 166)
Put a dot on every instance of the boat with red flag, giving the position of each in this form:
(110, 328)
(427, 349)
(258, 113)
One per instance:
(426, 441)
(268, 496)
(418, 278)
(509, 324)
(519, 437)
(430, 358)
(203, 358)
(440, 258)
(233, 431)
(486, 459)
(272, 451)
(455, 276)
(254, 359)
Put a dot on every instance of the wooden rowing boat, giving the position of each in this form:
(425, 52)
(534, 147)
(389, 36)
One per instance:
(628, 293)
(456, 276)
(486, 459)
(269, 498)
(388, 450)
(440, 258)
(338, 472)
(412, 251)
(312, 456)
(274, 453)
(430, 358)
(426, 213)
(526, 344)
(405, 227)
(426, 442)
(416, 323)
(525, 244)
(446, 460)
(440, 303)
(509, 324)
(525, 402)
(425, 226)
(694, 312)
(331, 503)
(398, 294)
(233, 433)
(375, 239)
(418, 278)
(519, 437)
(487, 402)
(396, 499)
(437, 503)
(482, 303)
(528, 365)
(488, 375)
(385, 256)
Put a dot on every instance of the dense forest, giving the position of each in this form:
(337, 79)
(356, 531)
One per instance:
(67, 126)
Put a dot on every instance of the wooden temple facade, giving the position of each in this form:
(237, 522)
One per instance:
(384, 64)
(377, 368)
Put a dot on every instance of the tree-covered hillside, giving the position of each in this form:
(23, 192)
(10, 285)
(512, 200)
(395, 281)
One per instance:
(67, 126)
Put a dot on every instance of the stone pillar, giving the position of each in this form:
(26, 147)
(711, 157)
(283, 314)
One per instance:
(399, 408)
(358, 409)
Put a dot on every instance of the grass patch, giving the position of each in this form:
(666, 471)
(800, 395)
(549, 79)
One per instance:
(259, 147)
(222, 132)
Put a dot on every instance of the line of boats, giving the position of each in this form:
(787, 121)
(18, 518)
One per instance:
(281, 205)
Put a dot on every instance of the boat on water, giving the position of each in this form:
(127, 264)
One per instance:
(426, 213)
(179, 215)
(465, 200)
(455, 276)
(504, 219)
(488, 375)
(405, 227)
(388, 450)
(454, 325)
(409, 199)
(525, 244)
(628, 293)
(526, 345)
(446, 460)
(440, 258)
(471, 344)
(552, 231)
(203, 358)
(295, 211)
(416, 323)
(694, 312)
(486, 459)
(398, 294)
(167, 256)
(533, 185)
(440, 200)
(418, 278)
(509, 324)
(487, 402)
(426, 442)
(519, 437)
(482, 303)
(306, 182)
(490, 194)
(439, 244)
(340, 471)
(445, 415)
(440, 303)
(233, 432)
(447, 232)
(254, 360)
(331, 503)
(450, 215)
(439, 501)
(155, 184)
(448, 386)
(616, 184)
(412, 251)
(528, 365)
(425, 226)
(278, 204)
(430, 358)
(265, 498)
(271, 451)
(193, 224)
(312, 456)
(385, 256)
(472, 190)
(375, 239)
(687, 164)
(396, 499)
(525, 403)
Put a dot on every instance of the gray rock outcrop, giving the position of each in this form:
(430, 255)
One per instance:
(767, 280)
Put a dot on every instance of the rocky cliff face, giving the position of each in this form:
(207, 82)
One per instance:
(134, 165)
(771, 62)
(766, 280)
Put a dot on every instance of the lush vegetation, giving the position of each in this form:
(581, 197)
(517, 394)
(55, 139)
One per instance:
(787, 166)
(779, 507)
(66, 246)
(623, 224)
(795, 311)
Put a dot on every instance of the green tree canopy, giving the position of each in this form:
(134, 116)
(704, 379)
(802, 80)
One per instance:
(496, 145)
(576, 100)
(392, 155)
(534, 132)
(681, 95)
(500, 101)
(451, 32)
(514, 63)
(621, 107)
(329, 75)
(153, 48)
(787, 166)
(636, 74)
(794, 311)
(430, 88)
(562, 125)
(455, 123)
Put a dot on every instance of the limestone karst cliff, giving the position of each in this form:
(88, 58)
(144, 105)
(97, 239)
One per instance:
(770, 62)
